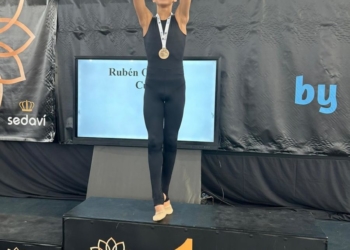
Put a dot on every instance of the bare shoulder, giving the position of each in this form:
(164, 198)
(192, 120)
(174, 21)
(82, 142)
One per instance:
(145, 26)
(181, 23)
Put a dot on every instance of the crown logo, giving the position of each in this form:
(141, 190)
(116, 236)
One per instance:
(111, 244)
(26, 106)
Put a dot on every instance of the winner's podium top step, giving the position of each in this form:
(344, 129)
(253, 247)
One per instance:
(201, 216)
(212, 223)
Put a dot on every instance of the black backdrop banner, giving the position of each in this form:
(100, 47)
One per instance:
(284, 66)
(27, 71)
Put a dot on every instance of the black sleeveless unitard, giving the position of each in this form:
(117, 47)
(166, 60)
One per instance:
(172, 67)
(164, 102)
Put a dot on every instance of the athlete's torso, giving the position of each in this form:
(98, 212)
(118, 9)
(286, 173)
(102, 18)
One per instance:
(172, 67)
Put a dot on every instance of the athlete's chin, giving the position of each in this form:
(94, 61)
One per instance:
(164, 3)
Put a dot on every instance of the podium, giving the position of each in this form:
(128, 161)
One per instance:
(110, 223)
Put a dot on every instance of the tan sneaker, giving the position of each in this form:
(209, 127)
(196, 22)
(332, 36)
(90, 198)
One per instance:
(168, 209)
(159, 215)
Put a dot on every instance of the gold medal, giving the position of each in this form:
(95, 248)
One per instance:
(164, 53)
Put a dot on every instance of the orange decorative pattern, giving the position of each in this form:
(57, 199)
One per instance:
(14, 53)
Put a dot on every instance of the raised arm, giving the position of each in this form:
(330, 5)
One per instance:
(143, 13)
(183, 11)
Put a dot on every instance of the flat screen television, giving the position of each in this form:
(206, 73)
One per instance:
(109, 102)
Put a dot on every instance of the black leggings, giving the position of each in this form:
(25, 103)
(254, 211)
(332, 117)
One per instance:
(164, 101)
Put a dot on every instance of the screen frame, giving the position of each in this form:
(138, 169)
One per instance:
(143, 142)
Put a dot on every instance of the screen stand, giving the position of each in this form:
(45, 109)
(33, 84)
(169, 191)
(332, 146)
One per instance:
(122, 172)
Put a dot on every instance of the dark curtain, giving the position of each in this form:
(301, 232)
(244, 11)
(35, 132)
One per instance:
(278, 180)
(44, 170)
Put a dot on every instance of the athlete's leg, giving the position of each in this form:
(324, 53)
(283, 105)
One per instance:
(173, 113)
(153, 110)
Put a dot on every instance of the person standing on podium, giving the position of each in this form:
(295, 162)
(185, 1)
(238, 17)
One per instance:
(164, 99)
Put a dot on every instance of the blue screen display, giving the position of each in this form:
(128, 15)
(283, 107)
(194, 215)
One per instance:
(110, 99)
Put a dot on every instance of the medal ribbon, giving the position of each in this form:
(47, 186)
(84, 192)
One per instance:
(164, 34)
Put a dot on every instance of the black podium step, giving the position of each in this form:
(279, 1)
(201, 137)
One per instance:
(32, 224)
(128, 224)
(30, 232)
